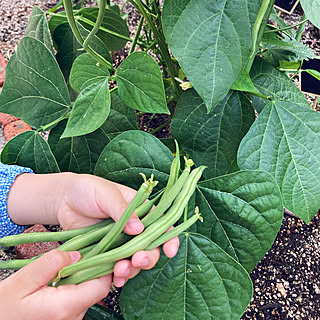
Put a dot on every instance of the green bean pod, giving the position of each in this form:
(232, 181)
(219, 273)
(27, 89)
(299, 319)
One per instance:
(22, 238)
(140, 197)
(87, 274)
(175, 231)
(168, 198)
(141, 241)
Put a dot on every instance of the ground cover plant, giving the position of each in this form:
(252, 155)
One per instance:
(215, 66)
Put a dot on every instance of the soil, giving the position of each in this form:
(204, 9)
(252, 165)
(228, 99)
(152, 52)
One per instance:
(286, 281)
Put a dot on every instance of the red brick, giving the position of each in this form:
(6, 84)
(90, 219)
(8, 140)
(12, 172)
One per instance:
(3, 64)
(6, 118)
(30, 250)
(14, 128)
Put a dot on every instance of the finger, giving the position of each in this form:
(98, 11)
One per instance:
(171, 247)
(146, 259)
(125, 269)
(41, 271)
(88, 293)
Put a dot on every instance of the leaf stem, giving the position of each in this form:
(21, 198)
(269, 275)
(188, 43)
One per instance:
(160, 127)
(95, 29)
(261, 95)
(51, 124)
(113, 90)
(303, 22)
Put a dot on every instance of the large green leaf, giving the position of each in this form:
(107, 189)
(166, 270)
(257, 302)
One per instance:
(200, 282)
(112, 22)
(211, 41)
(311, 9)
(80, 154)
(140, 83)
(90, 109)
(274, 83)
(285, 141)
(69, 49)
(212, 139)
(37, 27)
(131, 153)
(34, 90)
(242, 214)
(29, 149)
(85, 70)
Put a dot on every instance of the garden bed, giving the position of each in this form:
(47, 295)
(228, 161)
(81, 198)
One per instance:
(286, 281)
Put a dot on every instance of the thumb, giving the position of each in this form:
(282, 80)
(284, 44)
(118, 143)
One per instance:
(41, 271)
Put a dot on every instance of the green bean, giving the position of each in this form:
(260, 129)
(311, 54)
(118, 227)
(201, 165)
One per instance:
(175, 231)
(174, 170)
(15, 264)
(87, 274)
(86, 239)
(168, 198)
(142, 240)
(140, 197)
(17, 239)
(144, 208)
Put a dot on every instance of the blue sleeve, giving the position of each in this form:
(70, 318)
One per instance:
(7, 175)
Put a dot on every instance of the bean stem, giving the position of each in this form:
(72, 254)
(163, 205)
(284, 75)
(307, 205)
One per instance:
(18, 239)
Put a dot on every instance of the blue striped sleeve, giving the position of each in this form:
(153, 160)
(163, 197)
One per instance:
(7, 175)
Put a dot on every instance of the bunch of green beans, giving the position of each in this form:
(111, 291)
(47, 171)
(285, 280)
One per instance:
(103, 244)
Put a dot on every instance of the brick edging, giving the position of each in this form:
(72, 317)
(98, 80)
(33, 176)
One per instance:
(12, 126)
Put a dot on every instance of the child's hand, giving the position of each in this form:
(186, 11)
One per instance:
(25, 294)
(74, 201)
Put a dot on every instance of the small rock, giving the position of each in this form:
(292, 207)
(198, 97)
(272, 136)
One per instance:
(30, 250)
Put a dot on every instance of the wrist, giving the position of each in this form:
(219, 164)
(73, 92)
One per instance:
(34, 198)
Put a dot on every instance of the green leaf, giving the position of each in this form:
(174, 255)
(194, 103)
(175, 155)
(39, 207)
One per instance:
(285, 141)
(34, 90)
(21, 151)
(69, 49)
(275, 39)
(200, 282)
(295, 52)
(271, 82)
(212, 139)
(37, 27)
(242, 214)
(244, 83)
(84, 69)
(131, 153)
(80, 154)
(98, 312)
(311, 9)
(211, 41)
(90, 109)
(111, 21)
(314, 73)
(140, 84)
(56, 21)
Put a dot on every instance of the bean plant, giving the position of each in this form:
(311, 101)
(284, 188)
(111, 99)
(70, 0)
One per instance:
(219, 71)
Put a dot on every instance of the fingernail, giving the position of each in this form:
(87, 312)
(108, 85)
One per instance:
(136, 225)
(171, 252)
(75, 256)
